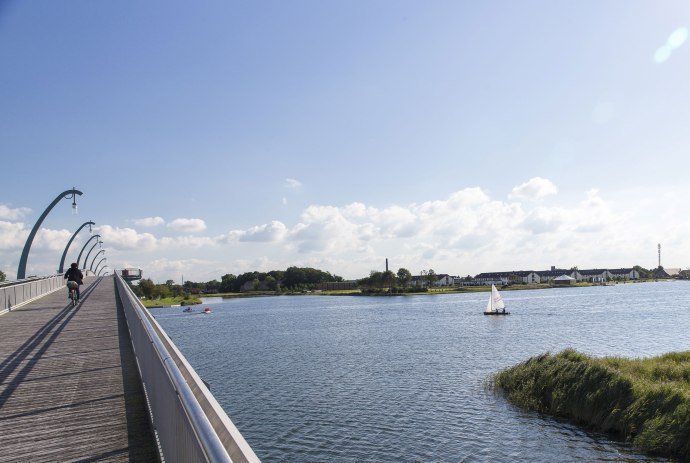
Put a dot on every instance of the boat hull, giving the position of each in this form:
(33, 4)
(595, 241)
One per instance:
(496, 313)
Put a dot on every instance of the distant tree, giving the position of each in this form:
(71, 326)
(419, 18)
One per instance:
(431, 277)
(404, 277)
(644, 273)
(374, 280)
(212, 286)
(161, 291)
(169, 282)
(271, 283)
(388, 278)
(3, 277)
(146, 287)
(227, 283)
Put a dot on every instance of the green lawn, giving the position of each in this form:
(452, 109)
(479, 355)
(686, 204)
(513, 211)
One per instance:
(169, 301)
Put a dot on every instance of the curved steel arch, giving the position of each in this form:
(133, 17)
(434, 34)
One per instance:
(82, 250)
(69, 243)
(94, 259)
(21, 270)
(99, 263)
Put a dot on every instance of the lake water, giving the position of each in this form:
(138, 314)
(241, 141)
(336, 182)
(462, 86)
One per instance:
(403, 379)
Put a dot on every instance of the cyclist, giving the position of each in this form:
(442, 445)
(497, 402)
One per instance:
(74, 274)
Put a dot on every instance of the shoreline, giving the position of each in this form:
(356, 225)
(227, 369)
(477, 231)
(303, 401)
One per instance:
(359, 293)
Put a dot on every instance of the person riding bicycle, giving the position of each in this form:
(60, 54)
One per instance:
(74, 274)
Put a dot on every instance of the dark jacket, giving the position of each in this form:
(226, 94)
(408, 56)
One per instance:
(74, 274)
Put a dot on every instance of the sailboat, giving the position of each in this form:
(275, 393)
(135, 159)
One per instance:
(495, 306)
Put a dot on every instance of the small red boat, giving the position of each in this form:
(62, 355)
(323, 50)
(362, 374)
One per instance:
(208, 310)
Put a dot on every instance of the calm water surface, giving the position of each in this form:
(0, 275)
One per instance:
(403, 379)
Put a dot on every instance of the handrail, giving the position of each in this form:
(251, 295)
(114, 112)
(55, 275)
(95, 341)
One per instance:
(186, 431)
(14, 294)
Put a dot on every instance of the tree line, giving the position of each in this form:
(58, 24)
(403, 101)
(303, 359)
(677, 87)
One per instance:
(395, 282)
(291, 279)
(295, 279)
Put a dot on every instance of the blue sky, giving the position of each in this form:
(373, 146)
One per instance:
(220, 137)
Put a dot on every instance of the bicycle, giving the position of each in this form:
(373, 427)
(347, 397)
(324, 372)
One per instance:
(73, 285)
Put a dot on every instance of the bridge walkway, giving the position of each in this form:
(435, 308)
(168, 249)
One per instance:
(69, 386)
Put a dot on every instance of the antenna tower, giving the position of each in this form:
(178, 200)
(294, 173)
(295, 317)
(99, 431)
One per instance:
(658, 246)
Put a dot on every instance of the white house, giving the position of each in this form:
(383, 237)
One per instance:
(595, 275)
(624, 274)
(503, 278)
(444, 280)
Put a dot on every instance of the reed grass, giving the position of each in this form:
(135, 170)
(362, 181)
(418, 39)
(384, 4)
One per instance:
(645, 401)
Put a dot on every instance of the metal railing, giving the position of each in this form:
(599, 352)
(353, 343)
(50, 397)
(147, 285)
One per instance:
(189, 424)
(15, 294)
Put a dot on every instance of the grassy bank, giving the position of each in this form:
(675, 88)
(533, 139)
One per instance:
(644, 401)
(169, 301)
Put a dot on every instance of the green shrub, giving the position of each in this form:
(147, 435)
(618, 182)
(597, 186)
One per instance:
(646, 401)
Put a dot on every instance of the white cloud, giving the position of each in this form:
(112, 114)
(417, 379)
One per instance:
(7, 213)
(150, 222)
(54, 240)
(272, 232)
(188, 225)
(543, 220)
(12, 235)
(466, 232)
(187, 241)
(534, 188)
(292, 183)
(126, 238)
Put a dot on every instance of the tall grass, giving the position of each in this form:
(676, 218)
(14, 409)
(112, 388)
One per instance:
(646, 401)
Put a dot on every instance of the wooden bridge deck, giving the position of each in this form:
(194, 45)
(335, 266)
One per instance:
(69, 386)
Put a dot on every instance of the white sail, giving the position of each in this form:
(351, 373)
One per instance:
(495, 301)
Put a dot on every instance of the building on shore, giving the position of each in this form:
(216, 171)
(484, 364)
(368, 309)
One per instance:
(552, 276)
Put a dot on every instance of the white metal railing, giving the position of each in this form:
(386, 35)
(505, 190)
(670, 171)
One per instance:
(189, 423)
(15, 294)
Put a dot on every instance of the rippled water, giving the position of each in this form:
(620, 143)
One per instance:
(403, 379)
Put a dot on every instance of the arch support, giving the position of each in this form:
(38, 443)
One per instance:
(68, 194)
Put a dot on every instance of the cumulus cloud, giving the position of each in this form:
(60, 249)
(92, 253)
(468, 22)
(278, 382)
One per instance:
(272, 232)
(292, 183)
(187, 241)
(7, 213)
(534, 188)
(188, 225)
(465, 232)
(12, 235)
(543, 220)
(150, 222)
(126, 238)
(467, 227)
(54, 240)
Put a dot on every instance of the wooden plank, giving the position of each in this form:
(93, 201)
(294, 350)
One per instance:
(69, 387)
